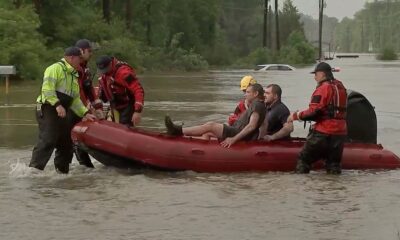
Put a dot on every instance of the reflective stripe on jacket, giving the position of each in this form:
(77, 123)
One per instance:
(59, 80)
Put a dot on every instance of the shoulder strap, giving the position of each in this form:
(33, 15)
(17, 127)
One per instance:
(118, 65)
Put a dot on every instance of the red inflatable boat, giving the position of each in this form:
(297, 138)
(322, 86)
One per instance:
(116, 145)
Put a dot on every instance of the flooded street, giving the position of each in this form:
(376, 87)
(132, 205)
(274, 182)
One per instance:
(105, 203)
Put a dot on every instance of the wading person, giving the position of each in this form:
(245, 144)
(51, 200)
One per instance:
(328, 110)
(243, 104)
(245, 128)
(59, 97)
(275, 125)
(87, 94)
(120, 86)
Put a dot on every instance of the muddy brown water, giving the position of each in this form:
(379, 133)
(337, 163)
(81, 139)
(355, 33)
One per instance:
(105, 203)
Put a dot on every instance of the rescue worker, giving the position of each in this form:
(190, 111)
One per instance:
(243, 104)
(245, 128)
(275, 125)
(59, 97)
(328, 109)
(87, 94)
(119, 85)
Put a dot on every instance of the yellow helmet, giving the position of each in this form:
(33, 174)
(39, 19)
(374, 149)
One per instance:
(246, 81)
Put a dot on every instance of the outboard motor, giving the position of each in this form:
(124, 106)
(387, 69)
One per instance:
(361, 119)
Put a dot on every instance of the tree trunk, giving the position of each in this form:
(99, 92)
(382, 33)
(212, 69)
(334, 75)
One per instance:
(148, 23)
(269, 33)
(128, 11)
(106, 10)
(265, 28)
(278, 42)
(17, 3)
(37, 4)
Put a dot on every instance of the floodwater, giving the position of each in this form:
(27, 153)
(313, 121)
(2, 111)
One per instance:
(105, 203)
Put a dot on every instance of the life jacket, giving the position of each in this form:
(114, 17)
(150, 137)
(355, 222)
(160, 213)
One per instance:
(337, 107)
(115, 92)
(332, 119)
(240, 108)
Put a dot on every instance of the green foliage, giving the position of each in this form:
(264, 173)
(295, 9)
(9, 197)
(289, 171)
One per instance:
(21, 44)
(148, 34)
(123, 48)
(387, 54)
(289, 20)
(173, 57)
(372, 28)
(297, 50)
(258, 56)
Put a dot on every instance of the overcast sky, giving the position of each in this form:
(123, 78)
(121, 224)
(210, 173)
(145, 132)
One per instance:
(335, 8)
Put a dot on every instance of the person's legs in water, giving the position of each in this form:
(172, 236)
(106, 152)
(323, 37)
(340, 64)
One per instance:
(49, 129)
(313, 150)
(64, 150)
(125, 115)
(335, 150)
(216, 129)
(82, 156)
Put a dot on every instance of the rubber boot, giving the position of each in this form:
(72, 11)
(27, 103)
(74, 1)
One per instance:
(172, 129)
(333, 169)
(83, 157)
(62, 169)
(302, 168)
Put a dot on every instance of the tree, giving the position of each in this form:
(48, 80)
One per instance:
(289, 20)
(278, 43)
(20, 42)
(106, 10)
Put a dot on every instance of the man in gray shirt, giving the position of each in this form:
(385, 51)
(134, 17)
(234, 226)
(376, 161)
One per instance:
(245, 128)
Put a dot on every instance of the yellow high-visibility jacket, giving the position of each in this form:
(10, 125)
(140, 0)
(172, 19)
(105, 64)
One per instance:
(60, 87)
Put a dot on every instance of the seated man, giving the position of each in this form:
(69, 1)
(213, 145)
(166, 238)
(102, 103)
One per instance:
(275, 125)
(243, 105)
(245, 128)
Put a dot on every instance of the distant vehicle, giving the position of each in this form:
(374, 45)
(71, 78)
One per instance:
(274, 67)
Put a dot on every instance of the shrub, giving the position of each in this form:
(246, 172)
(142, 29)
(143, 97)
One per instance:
(388, 54)
(173, 57)
(21, 45)
(297, 50)
(258, 56)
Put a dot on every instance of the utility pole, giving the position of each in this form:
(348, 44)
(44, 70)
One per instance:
(362, 36)
(321, 15)
(265, 28)
(278, 43)
(269, 33)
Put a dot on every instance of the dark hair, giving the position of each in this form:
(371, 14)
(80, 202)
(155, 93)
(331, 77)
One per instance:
(329, 76)
(83, 44)
(276, 89)
(72, 51)
(259, 89)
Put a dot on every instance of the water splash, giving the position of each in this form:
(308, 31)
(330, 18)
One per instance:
(22, 170)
